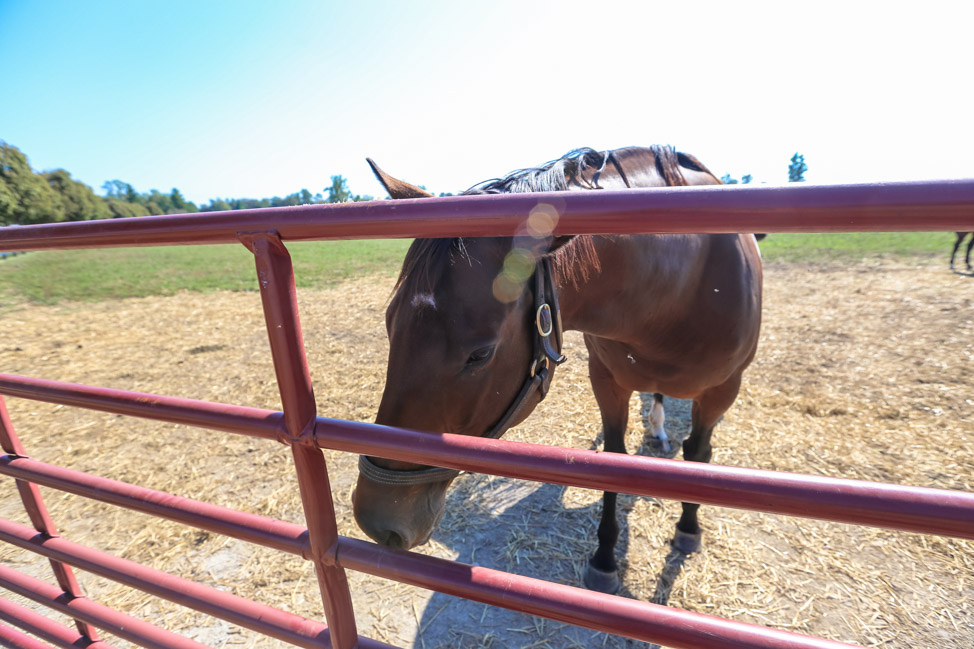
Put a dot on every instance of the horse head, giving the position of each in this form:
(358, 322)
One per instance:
(470, 353)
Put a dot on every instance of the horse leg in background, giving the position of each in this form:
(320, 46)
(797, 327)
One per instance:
(602, 571)
(953, 253)
(967, 256)
(708, 408)
(657, 417)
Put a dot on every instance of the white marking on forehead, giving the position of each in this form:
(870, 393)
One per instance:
(423, 299)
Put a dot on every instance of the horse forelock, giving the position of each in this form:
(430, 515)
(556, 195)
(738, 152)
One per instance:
(425, 259)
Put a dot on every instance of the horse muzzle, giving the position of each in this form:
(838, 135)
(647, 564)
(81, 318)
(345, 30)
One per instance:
(399, 517)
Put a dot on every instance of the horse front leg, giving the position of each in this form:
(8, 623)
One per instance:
(602, 571)
(967, 255)
(708, 408)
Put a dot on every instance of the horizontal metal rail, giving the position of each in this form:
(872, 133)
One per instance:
(914, 509)
(264, 619)
(671, 627)
(81, 608)
(14, 639)
(608, 613)
(259, 530)
(890, 207)
(44, 627)
(253, 422)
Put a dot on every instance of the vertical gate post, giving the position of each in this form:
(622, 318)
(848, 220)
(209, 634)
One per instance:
(30, 495)
(275, 275)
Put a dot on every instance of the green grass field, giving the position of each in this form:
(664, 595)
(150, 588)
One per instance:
(48, 277)
(854, 247)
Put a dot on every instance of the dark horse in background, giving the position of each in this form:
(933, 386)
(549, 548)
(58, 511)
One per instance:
(471, 329)
(967, 256)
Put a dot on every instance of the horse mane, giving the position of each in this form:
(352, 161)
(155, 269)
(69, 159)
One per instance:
(552, 176)
(576, 259)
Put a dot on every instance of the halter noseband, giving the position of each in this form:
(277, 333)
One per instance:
(547, 321)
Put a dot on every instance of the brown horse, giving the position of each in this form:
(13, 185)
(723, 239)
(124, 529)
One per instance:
(473, 341)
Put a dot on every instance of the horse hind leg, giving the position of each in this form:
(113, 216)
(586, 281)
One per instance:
(657, 417)
(953, 253)
(602, 571)
(708, 408)
(967, 255)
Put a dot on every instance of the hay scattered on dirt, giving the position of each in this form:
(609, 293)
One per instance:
(864, 372)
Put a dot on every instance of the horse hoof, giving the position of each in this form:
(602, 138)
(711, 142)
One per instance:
(687, 543)
(657, 447)
(664, 443)
(601, 582)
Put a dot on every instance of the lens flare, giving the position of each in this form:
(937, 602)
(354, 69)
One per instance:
(542, 220)
(517, 269)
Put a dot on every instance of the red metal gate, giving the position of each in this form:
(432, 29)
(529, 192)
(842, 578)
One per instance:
(933, 206)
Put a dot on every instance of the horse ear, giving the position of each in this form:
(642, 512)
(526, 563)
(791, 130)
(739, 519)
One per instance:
(397, 188)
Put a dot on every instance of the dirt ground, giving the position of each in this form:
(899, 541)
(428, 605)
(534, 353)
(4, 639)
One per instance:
(864, 372)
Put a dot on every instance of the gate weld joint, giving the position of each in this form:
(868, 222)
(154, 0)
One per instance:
(66, 598)
(330, 556)
(327, 557)
(283, 435)
(304, 438)
(249, 238)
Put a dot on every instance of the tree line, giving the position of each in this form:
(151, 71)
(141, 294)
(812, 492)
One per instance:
(28, 197)
(796, 172)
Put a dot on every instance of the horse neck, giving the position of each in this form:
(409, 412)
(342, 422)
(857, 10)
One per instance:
(630, 273)
(639, 279)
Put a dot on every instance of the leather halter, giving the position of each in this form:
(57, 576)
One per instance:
(547, 321)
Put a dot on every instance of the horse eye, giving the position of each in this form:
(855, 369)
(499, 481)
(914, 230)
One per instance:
(482, 355)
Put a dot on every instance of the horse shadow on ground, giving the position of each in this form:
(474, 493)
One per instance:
(528, 529)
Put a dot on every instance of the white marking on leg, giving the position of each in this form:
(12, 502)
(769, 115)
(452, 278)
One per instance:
(656, 419)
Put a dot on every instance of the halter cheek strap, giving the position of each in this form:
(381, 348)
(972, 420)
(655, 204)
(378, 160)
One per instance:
(547, 323)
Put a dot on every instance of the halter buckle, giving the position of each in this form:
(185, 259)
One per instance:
(544, 321)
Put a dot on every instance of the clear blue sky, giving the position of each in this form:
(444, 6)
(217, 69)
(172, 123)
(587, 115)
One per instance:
(254, 99)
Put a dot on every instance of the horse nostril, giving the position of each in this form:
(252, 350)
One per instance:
(394, 540)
